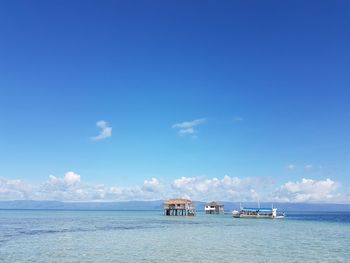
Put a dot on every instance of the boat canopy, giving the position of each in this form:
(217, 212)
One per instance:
(256, 209)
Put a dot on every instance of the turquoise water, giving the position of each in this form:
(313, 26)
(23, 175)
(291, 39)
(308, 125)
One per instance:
(119, 236)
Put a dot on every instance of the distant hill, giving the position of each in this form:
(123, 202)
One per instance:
(158, 205)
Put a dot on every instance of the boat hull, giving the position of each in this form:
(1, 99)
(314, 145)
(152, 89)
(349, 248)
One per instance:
(257, 216)
(257, 213)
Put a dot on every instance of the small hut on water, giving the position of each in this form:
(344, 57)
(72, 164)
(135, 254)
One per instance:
(179, 207)
(214, 208)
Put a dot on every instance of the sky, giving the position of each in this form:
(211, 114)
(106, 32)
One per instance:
(141, 100)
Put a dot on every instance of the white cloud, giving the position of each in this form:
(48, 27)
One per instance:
(309, 190)
(150, 190)
(291, 167)
(71, 178)
(153, 185)
(14, 189)
(228, 188)
(189, 127)
(308, 167)
(70, 187)
(105, 132)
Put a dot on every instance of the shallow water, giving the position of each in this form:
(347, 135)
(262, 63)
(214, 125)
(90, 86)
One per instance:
(148, 236)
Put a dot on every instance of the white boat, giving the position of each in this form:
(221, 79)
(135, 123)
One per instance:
(257, 212)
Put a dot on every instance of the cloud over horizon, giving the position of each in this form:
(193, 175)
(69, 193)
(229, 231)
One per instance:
(309, 190)
(105, 131)
(228, 188)
(70, 187)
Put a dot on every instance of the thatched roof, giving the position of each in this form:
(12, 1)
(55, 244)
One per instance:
(177, 202)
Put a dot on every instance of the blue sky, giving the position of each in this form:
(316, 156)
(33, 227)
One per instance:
(268, 80)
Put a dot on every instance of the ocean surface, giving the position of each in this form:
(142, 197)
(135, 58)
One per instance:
(148, 236)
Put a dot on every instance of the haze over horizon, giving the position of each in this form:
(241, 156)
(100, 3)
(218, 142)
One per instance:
(228, 101)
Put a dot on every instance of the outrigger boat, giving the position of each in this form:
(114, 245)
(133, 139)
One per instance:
(257, 212)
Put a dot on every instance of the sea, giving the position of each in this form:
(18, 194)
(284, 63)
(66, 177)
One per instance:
(149, 236)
